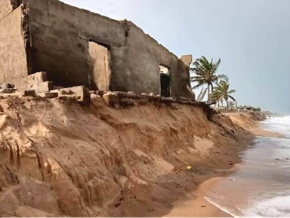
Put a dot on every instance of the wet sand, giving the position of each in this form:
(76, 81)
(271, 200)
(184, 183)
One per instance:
(261, 178)
(200, 204)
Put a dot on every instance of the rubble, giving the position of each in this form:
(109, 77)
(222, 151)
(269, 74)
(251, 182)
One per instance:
(37, 81)
(81, 93)
(131, 93)
(39, 87)
(51, 95)
(111, 99)
(7, 90)
(7, 86)
(31, 93)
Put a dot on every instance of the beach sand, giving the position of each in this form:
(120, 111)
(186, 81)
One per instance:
(198, 205)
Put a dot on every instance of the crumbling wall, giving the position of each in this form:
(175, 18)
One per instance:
(183, 79)
(60, 38)
(137, 63)
(13, 63)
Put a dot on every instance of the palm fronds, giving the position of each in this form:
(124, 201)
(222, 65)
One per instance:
(222, 92)
(205, 73)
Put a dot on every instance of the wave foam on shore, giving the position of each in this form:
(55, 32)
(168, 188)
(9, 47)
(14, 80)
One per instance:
(260, 186)
(278, 124)
(273, 207)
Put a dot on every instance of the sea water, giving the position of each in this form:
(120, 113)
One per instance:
(261, 185)
(278, 124)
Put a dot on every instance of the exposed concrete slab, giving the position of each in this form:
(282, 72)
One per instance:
(50, 95)
(111, 99)
(37, 82)
(31, 93)
(81, 92)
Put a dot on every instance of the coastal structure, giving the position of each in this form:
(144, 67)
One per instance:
(77, 47)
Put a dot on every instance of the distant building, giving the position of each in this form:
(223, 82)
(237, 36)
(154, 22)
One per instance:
(248, 109)
(78, 47)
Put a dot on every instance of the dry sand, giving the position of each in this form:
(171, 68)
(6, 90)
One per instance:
(249, 122)
(58, 158)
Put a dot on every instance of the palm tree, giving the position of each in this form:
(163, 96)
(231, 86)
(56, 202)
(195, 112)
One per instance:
(222, 92)
(205, 74)
(202, 94)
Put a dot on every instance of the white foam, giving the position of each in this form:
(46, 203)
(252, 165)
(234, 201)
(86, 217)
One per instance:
(224, 209)
(278, 124)
(273, 207)
(273, 199)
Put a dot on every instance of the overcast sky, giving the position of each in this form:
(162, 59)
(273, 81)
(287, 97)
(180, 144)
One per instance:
(250, 36)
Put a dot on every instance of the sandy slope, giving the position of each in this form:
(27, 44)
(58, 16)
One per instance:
(249, 122)
(58, 158)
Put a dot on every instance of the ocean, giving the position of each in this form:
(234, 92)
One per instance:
(261, 185)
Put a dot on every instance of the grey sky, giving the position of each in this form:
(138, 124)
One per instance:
(250, 36)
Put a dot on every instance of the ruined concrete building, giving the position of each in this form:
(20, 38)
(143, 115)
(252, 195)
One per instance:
(77, 47)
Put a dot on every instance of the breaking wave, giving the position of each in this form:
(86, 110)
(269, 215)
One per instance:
(278, 124)
(271, 157)
(273, 207)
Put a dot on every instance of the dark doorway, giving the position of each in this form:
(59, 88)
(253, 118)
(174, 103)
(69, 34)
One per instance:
(165, 89)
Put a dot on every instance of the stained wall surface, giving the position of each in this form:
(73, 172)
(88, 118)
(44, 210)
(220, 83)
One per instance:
(60, 40)
(60, 46)
(13, 61)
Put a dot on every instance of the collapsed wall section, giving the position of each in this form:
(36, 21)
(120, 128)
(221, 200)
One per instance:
(13, 60)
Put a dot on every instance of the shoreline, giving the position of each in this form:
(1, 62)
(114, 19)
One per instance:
(198, 205)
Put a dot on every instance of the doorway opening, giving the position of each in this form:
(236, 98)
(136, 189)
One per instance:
(165, 88)
(99, 66)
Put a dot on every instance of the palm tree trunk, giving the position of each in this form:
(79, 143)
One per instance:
(227, 103)
(208, 92)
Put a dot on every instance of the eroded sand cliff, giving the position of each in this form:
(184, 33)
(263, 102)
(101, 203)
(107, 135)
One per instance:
(58, 158)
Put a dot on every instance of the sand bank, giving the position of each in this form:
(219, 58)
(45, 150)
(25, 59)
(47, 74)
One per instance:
(59, 158)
